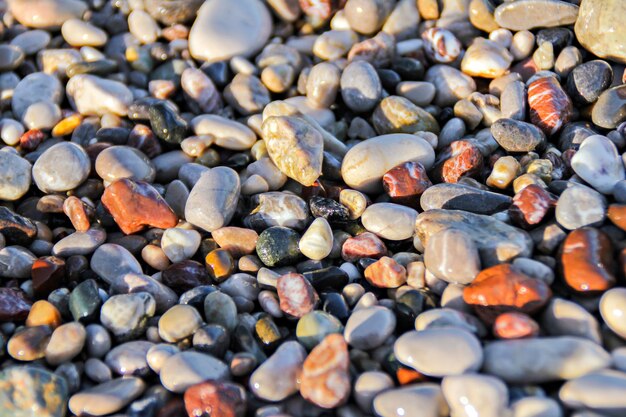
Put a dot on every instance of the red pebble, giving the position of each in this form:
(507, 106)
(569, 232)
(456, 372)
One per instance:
(531, 205)
(385, 273)
(296, 295)
(75, 209)
(587, 261)
(513, 325)
(503, 288)
(215, 399)
(406, 182)
(365, 245)
(47, 274)
(31, 139)
(550, 106)
(461, 158)
(136, 204)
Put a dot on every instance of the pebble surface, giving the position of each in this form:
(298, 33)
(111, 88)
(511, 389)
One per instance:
(286, 208)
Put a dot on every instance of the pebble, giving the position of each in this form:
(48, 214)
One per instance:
(78, 33)
(179, 323)
(66, 342)
(496, 241)
(550, 106)
(314, 326)
(317, 242)
(215, 36)
(368, 385)
(396, 114)
(106, 398)
(461, 268)
(608, 112)
(597, 391)
(129, 359)
(389, 221)
(52, 13)
(361, 88)
(185, 369)
(463, 197)
(473, 394)
(111, 261)
(98, 341)
(126, 315)
(95, 96)
(486, 58)
(451, 84)
(365, 164)
(278, 377)
(566, 318)
(16, 262)
(227, 133)
(11, 57)
(611, 306)
(323, 84)
(401, 401)
(29, 344)
(541, 360)
(588, 80)
(517, 136)
(15, 176)
(143, 26)
(27, 388)
(220, 399)
(295, 146)
(594, 20)
(381, 323)
(180, 244)
(49, 176)
(602, 170)
(118, 162)
(385, 273)
(34, 88)
(531, 14)
(213, 200)
(580, 206)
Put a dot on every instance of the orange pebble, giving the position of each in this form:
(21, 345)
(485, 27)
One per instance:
(44, 313)
(514, 325)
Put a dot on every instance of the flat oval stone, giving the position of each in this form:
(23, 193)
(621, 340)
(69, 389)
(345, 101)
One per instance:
(11, 57)
(473, 393)
(79, 243)
(365, 163)
(612, 310)
(368, 328)
(486, 58)
(51, 14)
(179, 322)
(600, 392)
(111, 261)
(15, 176)
(129, 359)
(106, 398)
(530, 14)
(33, 88)
(566, 318)
(463, 197)
(50, 176)
(451, 255)
(228, 134)
(27, 388)
(182, 370)
(95, 96)
(587, 81)
(15, 262)
(537, 361)
(213, 200)
(401, 401)
(118, 162)
(77, 32)
(517, 136)
(610, 109)
(395, 114)
(439, 352)
(217, 35)
(496, 241)
(278, 377)
(29, 343)
(600, 30)
(580, 206)
(66, 342)
(451, 84)
(389, 221)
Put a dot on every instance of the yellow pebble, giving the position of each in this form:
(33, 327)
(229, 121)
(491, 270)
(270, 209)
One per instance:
(504, 172)
(525, 180)
(66, 126)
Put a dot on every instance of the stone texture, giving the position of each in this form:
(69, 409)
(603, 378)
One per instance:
(599, 29)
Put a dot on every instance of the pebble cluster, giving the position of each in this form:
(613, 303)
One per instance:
(311, 208)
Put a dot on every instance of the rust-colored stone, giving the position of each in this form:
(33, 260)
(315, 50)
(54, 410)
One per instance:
(220, 264)
(44, 313)
(406, 182)
(513, 325)
(13, 305)
(550, 106)
(531, 205)
(503, 288)
(47, 274)
(77, 212)
(587, 261)
(365, 245)
(215, 399)
(236, 240)
(31, 139)
(407, 376)
(617, 214)
(136, 204)
(325, 377)
(385, 273)
(296, 295)
(461, 158)
(29, 343)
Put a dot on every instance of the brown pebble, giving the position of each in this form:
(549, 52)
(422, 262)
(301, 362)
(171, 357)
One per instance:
(385, 273)
(75, 209)
(220, 264)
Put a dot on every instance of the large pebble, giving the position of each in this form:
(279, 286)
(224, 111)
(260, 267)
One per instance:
(178, 323)
(77, 33)
(129, 358)
(66, 342)
(601, 392)
(475, 395)
(463, 197)
(566, 318)
(451, 255)
(580, 206)
(365, 164)
(317, 242)
(95, 96)
(15, 176)
(228, 134)
(179, 244)
(277, 378)
(600, 30)
(451, 84)
(225, 28)
(368, 328)
(486, 58)
(126, 315)
(402, 401)
(361, 88)
(612, 306)
(106, 398)
(15, 261)
(50, 14)
(530, 14)
(610, 109)
(517, 136)
(213, 200)
(389, 221)
(542, 360)
(27, 388)
(182, 370)
(111, 261)
(35, 87)
(439, 352)
(124, 162)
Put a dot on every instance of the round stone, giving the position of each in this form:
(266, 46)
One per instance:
(389, 221)
(612, 305)
(580, 206)
(66, 342)
(15, 176)
(278, 246)
(179, 244)
(50, 176)
(361, 88)
(118, 162)
(179, 322)
(77, 32)
(599, 29)
(125, 315)
(367, 328)
(185, 369)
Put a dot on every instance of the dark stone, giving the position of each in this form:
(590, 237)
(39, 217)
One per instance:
(99, 67)
(573, 134)
(244, 340)
(331, 210)
(170, 12)
(558, 37)
(218, 72)
(278, 246)
(47, 274)
(185, 275)
(85, 301)
(114, 135)
(389, 79)
(588, 80)
(331, 167)
(14, 306)
(212, 339)
(330, 277)
(409, 69)
(16, 229)
(167, 124)
(463, 197)
(517, 136)
(335, 304)
(195, 296)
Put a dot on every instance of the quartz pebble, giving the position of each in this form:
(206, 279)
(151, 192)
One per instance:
(277, 377)
(213, 200)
